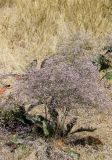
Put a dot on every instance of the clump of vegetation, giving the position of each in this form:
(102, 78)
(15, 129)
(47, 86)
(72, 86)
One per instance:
(15, 120)
(53, 125)
(104, 64)
(19, 121)
(22, 125)
(101, 62)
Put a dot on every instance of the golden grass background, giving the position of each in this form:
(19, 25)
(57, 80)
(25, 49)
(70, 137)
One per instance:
(33, 28)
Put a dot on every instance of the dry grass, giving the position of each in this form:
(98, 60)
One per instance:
(32, 29)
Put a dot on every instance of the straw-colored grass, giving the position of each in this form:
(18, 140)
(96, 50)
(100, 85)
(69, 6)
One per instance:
(32, 28)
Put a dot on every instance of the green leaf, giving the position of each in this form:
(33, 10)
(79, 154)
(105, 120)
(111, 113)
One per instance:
(96, 60)
(74, 155)
(101, 62)
(45, 128)
(108, 76)
(20, 120)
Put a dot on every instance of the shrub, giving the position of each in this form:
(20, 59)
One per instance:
(72, 85)
(104, 64)
(19, 121)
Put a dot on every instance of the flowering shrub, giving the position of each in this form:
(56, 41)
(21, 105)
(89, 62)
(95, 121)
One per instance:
(75, 84)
